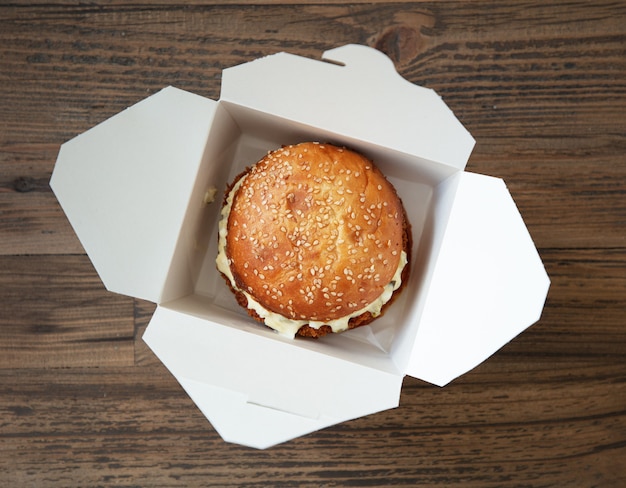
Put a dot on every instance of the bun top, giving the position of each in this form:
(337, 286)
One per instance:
(315, 232)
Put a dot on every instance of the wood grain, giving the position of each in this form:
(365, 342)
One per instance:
(56, 313)
(542, 88)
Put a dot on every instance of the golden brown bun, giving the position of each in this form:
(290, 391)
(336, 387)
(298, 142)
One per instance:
(315, 233)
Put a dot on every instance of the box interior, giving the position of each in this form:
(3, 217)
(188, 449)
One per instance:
(241, 136)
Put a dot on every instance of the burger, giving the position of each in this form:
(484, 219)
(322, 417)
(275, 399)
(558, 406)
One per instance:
(313, 239)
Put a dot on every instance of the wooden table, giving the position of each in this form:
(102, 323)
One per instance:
(540, 85)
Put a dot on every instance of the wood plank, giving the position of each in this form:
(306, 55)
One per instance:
(34, 223)
(56, 313)
(31, 220)
(585, 313)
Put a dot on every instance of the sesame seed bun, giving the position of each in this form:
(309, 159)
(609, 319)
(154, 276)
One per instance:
(316, 234)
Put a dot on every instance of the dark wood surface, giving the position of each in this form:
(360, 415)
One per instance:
(541, 86)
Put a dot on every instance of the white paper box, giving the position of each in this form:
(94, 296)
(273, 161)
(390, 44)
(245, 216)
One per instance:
(133, 188)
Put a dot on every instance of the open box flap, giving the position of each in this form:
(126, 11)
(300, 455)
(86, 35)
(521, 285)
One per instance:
(125, 185)
(357, 95)
(238, 378)
(488, 285)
